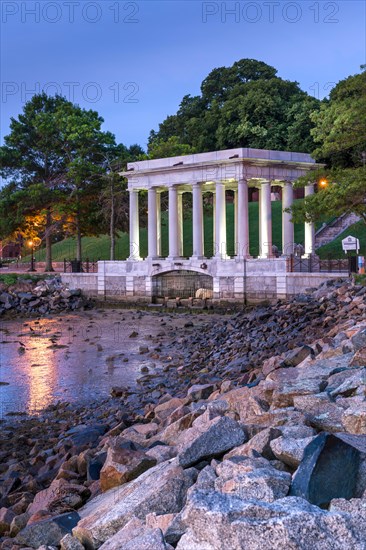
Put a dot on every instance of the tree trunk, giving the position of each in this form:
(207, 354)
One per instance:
(111, 227)
(48, 237)
(78, 241)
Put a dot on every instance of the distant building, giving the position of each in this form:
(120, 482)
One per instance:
(10, 250)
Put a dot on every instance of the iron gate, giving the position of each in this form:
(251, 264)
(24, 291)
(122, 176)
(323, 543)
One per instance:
(180, 284)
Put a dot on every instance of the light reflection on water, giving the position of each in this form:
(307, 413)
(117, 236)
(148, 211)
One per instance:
(77, 357)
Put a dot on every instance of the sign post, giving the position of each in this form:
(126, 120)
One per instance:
(351, 243)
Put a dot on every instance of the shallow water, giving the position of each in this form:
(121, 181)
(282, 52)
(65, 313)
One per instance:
(74, 357)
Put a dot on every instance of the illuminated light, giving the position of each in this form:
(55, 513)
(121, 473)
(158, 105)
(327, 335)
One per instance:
(323, 183)
(30, 243)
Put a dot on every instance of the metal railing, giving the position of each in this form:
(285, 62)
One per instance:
(313, 264)
(78, 266)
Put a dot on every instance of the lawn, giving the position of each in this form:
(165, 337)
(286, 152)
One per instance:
(96, 248)
(334, 248)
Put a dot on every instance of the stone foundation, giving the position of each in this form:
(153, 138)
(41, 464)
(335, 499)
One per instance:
(233, 280)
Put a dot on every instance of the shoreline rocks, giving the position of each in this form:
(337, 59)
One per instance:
(228, 458)
(40, 297)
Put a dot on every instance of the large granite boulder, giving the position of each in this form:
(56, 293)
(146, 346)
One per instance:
(327, 471)
(47, 532)
(136, 536)
(220, 522)
(162, 490)
(210, 439)
(290, 450)
(123, 464)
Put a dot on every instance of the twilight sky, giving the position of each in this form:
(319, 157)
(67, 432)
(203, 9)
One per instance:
(134, 61)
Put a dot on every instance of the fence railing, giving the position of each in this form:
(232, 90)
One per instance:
(77, 266)
(313, 264)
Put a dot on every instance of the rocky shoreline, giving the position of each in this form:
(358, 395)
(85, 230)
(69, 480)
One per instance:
(252, 435)
(39, 297)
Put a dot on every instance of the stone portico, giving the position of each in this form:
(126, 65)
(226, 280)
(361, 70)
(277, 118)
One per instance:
(236, 170)
(223, 277)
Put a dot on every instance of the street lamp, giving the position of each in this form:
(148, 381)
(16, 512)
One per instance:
(31, 245)
(323, 183)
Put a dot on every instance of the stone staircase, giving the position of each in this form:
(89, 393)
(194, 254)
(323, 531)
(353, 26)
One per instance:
(330, 231)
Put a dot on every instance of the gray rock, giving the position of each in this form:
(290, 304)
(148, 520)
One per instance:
(18, 523)
(290, 450)
(213, 439)
(68, 542)
(359, 339)
(136, 536)
(47, 532)
(262, 484)
(354, 384)
(354, 506)
(161, 489)
(259, 442)
(220, 522)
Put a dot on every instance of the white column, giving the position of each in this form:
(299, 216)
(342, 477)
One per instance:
(236, 233)
(220, 222)
(309, 227)
(173, 223)
(158, 222)
(287, 225)
(197, 221)
(134, 225)
(180, 222)
(259, 218)
(266, 220)
(152, 223)
(243, 219)
(214, 220)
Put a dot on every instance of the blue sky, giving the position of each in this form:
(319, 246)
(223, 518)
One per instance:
(134, 61)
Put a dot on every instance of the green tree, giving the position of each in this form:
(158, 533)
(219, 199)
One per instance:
(172, 147)
(339, 133)
(31, 159)
(245, 105)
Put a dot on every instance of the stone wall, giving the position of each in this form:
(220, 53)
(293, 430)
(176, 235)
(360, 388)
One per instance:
(87, 282)
(265, 281)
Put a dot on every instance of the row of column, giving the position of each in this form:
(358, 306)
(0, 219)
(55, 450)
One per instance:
(241, 222)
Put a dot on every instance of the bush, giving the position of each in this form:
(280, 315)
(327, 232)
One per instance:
(360, 279)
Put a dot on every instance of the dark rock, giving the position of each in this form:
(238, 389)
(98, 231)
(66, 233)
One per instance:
(95, 465)
(200, 391)
(328, 470)
(212, 439)
(296, 356)
(359, 340)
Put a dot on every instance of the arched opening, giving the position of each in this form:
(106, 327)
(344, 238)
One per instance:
(181, 284)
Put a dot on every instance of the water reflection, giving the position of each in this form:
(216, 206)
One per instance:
(42, 372)
(76, 357)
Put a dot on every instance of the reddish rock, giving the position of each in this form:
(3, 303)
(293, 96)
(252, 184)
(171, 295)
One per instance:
(123, 465)
(59, 497)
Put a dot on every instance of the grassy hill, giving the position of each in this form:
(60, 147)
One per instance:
(96, 248)
(334, 248)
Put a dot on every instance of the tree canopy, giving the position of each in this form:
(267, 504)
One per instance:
(246, 105)
(340, 137)
(56, 158)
